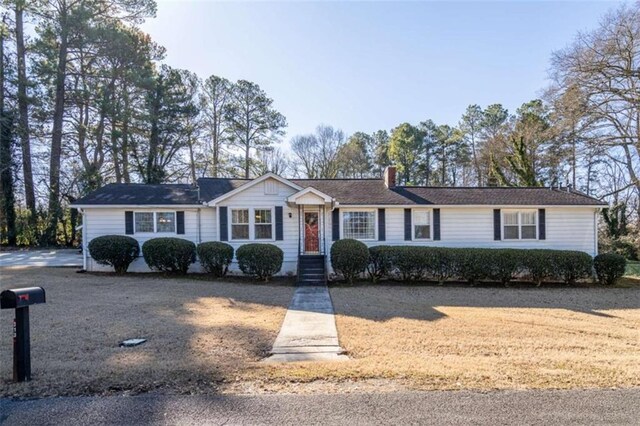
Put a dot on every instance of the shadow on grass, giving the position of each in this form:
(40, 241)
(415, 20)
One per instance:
(199, 334)
(420, 301)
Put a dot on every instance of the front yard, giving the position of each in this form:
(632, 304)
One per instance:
(208, 337)
(199, 333)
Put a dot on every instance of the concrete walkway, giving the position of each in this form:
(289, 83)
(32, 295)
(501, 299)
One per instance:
(309, 331)
(39, 258)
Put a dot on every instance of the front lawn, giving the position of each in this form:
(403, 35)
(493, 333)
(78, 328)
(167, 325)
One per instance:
(201, 334)
(434, 337)
(633, 269)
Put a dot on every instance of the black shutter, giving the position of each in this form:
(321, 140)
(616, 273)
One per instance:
(335, 224)
(542, 224)
(224, 228)
(496, 224)
(436, 224)
(128, 223)
(279, 223)
(382, 227)
(407, 224)
(179, 222)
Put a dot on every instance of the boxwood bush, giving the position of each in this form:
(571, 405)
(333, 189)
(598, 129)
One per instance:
(215, 257)
(260, 260)
(349, 258)
(410, 262)
(169, 254)
(478, 264)
(609, 267)
(114, 250)
(570, 266)
(380, 262)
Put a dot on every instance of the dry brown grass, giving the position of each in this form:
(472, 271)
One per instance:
(484, 338)
(200, 334)
(207, 337)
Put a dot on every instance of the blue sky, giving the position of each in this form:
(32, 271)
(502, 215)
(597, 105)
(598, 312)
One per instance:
(363, 66)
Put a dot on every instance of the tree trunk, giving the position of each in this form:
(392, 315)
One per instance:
(6, 163)
(56, 139)
(23, 121)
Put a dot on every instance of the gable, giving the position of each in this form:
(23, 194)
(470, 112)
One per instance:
(267, 192)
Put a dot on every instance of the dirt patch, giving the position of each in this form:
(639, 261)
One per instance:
(200, 334)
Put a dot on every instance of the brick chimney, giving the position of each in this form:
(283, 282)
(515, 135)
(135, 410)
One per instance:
(390, 176)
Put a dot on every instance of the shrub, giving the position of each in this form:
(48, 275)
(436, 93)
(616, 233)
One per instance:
(571, 266)
(440, 263)
(609, 267)
(380, 262)
(505, 263)
(114, 250)
(349, 258)
(260, 260)
(169, 254)
(411, 262)
(215, 257)
(474, 264)
(538, 264)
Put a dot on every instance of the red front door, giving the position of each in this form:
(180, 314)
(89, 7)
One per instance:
(311, 242)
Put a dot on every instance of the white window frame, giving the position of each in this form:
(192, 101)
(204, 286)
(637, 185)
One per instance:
(375, 222)
(252, 218)
(519, 212)
(413, 224)
(155, 223)
(248, 224)
(252, 223)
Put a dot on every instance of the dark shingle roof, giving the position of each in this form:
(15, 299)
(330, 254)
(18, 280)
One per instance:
(345, 191)
(374, 191)
(141, 194)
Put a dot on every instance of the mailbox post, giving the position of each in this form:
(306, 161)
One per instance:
(20, 299)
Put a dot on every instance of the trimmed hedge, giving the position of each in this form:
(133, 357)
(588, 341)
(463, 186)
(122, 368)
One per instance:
(260, 260)
(476, 264)
(114, 250)
(169, 254)
(349, 258)
(609, 267)
(215, 257)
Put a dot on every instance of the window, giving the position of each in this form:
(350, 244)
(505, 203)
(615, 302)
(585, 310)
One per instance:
(263, 228)
(155, 222)
(240, 224)
(421, 224)
(519, 225)
(143, 221)
(359, 225)
(165, 222)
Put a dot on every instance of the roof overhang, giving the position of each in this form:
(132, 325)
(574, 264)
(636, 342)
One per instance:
(135, 206)
(253, 183)
(318, 197)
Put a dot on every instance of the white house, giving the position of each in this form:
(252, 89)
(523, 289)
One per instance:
(305, 216)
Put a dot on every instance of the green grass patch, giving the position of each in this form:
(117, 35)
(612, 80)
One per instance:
(633, 269)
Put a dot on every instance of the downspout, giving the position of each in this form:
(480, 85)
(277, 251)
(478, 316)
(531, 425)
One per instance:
(595, 232)
(199, 226)
(84, 239)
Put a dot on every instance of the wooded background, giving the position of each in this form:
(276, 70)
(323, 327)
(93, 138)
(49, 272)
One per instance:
(86, 100)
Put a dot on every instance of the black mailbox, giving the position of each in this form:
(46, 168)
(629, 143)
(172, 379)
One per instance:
(21, 297)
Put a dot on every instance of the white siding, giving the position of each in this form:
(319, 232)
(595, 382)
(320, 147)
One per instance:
(255, 197)
(567, 228)
(107, 221)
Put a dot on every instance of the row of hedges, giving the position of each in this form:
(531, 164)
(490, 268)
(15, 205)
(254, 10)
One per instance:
(175, 255)
(351, 258)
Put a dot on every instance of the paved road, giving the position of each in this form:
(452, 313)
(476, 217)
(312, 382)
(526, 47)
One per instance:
(592, 407)
(54, 257)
